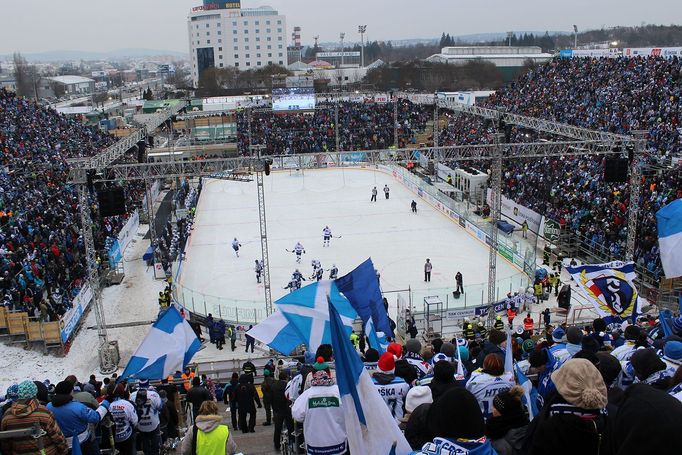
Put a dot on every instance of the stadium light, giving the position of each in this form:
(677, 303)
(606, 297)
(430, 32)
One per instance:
(362, 29)
(342, 35)
(575, 36)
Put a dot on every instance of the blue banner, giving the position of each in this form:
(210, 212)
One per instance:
(115, 254)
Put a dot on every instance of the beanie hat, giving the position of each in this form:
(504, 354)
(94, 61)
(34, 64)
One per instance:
(558, 335)
(417, 395)
(63, 388)
(466, 423)
(27, 390)
(372, 355)
(413, 346)
(463, 353)
(632, 332)
(673, 351)
(646, 362)
(599, 325)
(143, 384)
(497, 336)
(386, 363)
(12, 392)
(443, 371)
(527, 345)
(395, 349)
(508, 402)
(437, 343)
(448, 349)
(438, 357)
(609, 367)
(574, 335)
(320, 364)
(677, 324)
(590, 344)
(579, 382)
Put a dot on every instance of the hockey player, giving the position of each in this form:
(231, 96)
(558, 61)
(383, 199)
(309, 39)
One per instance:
(386, 191)
(297, 277)
(327, 235)
(414, 206)
(374, 195)
(333, 272)
(235, 246)
(299, 250)
(316, 264)
(259, 270)
(293, 285)
(317, 274)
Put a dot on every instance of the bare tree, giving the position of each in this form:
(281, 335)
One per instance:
(26, 76)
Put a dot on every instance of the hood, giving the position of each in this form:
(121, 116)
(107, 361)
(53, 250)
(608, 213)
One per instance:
(383, 378)
(208, 423)
(61, 399)
(24, 408)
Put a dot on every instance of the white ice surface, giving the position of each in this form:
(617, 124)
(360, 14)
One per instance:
(298, 207)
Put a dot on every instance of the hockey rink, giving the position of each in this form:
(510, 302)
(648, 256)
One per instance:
(298, 207)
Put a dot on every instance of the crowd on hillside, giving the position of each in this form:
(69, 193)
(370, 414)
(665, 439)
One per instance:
(590, 390)
(620, 95)
(42, 264)
(362, 126)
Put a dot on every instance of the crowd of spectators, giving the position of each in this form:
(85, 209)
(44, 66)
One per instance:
(619, 95)
(42, 263)
(362, 126)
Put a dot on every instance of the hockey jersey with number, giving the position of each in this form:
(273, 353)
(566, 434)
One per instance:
(298, 249)
(327, 232)
(148, 408)
(485, 387)
(125, 419)
(393, 390)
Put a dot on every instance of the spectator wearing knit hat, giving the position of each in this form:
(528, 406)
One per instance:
(495, 344)
(412, 355)
(26, 412)
(392, 389)
(631, 334)
(506, 428)
(489, 381)
(574, 419)
(125, 416)
(648, 368)
(413, 423)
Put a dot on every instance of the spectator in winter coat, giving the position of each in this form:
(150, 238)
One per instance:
(574, 419)
(197, 395)
(26, 412)
(74, 419)
(281, 408)
(507, 426)
(456, 432)
(246, 396)
(208, 436)
(266, 389)
(229, 397)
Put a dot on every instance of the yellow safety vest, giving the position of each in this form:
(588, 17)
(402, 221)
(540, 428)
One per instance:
(213, 442)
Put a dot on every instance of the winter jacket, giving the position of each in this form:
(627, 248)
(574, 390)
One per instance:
(506, 433)
(196, 396)
(417, 431)
(266, 389)
(246, 394)
(280, 403)
(443, 446)
(319, 408)
(73, 418)
(206, 424)
(26, 413)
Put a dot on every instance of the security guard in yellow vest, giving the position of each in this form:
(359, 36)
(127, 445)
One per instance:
(498, 325)
(468, 331)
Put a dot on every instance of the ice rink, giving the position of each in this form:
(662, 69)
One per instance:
(298, 207)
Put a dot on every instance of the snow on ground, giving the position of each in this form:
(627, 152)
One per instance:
(298, 207)
(135, 299)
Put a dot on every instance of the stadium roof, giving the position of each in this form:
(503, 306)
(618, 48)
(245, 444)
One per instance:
(68, 80)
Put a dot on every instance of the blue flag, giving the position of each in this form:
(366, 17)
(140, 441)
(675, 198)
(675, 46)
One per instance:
(377, 340)
(276, 332)
(669, 220)
(370, 427)
(361, 288)
(665, 316)
(307, 312)
(530, 393)
(168, 347)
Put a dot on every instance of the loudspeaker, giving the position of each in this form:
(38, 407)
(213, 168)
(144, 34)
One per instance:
(616, 170)
(111, 201)
(142, 152)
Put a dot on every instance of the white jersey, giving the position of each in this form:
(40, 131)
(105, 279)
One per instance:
(149, 411)
(624, 352)
(298, 249)
(333, 273)
(235, 244)
(486, 387)
(319, 408)
(394, 394)
(327, 233)
(125, 418)
(316, 264)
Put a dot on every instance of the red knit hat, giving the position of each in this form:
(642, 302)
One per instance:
(386, 363)
(395, 349)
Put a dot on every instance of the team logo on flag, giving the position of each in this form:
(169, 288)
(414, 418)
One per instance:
(611, 289)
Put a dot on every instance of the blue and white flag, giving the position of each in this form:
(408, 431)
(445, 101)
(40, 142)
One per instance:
(530, 393)
(168, 347)
(361, 288)
(307, 311)
(508, 354)
(276, 332)
(670, 238)
(377, 340)
(611, 289)
(370, 427)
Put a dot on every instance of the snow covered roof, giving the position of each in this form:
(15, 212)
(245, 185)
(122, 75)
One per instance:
(375, 64)
(68, 80)
(297, 66)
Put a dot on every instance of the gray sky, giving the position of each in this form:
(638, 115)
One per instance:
(96, 25)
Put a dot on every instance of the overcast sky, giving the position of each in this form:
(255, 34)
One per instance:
(97, 25)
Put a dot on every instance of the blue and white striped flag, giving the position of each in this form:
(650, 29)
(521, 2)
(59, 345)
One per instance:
(377, 340)
(370, 427)
(670, 238)
(530, 393)
(276, 332)
(168, 347)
